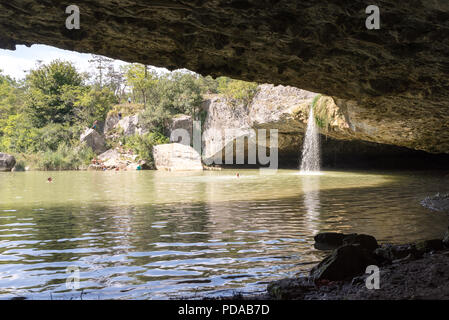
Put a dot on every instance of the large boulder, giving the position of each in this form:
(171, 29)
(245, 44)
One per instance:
(176, 157)
(344, 263)
(7, 162)
(94, 140)
(332, 240)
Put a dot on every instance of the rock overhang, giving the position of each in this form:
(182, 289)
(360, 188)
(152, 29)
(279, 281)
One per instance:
(396, 74)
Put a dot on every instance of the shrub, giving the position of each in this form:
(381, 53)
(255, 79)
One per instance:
(65, 158)
(143, 145)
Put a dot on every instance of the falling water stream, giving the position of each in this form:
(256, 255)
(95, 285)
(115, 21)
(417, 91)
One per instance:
(310, 161)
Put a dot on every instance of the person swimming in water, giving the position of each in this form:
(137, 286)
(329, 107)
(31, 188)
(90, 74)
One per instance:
(50, 180)
(238, 175)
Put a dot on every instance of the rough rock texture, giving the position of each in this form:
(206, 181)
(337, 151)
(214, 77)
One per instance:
(116, 158)
(438, 202)
(183, 122)
(110, 122)
(94, 140)
(390, 80)
(344, 263)
(7, 162)
(424, 278)
(130, 124)
(176, 157)
(286, 109)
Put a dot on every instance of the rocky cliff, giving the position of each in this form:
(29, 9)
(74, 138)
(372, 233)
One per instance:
(344, 132)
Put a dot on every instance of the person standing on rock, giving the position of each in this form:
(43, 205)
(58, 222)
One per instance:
(94, 126)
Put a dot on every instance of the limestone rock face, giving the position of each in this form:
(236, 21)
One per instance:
(111, 122)
(176, 157)
(183, 122)
(273, 107)
(130, 125)
(116, 158)
(7, 162)
(94, 140)
(393, 80)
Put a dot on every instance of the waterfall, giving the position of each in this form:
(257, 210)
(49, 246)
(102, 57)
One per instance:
(310, 161)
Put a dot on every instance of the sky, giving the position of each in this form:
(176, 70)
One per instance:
(17, 63)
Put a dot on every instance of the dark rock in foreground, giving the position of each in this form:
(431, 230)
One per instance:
(408, 271)
(333, 240)
(343, 264)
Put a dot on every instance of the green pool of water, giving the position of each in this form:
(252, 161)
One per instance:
(157, 235)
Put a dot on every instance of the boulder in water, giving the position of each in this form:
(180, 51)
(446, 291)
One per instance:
(363, 240)
(176, 157)
(332, 240)
(7, 162)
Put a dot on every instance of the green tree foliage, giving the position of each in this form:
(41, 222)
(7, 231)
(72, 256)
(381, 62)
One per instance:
(17, 134)
(236, 89)
(140, 80)
(143, 145)
(42, 117)
(44, 100)
(92, 104)
(11, 96)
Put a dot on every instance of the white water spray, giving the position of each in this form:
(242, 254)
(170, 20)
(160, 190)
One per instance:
(310, 162)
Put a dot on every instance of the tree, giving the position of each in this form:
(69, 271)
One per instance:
(101, 63)
(94, 104)
(237, 89)
(140, 80)
(46, 85)
(10, 96)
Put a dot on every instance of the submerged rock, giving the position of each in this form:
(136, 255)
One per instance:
(7, 162)
(176, 157)
(344, 263)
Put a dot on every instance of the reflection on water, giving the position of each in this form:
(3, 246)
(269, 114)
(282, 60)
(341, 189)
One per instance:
(150, 235)
(311, 190)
